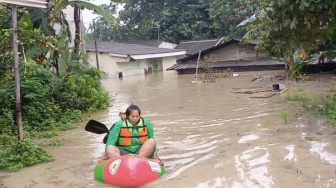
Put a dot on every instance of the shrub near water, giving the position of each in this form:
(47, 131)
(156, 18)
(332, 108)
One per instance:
(49, 104)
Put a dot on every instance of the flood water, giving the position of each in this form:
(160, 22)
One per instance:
(207, 136)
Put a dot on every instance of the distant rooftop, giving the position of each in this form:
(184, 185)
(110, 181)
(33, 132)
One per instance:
(151, 42)
(127, 49)
(194, 46)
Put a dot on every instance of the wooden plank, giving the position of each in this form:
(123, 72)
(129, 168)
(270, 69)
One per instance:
(254, 87)
(269, 95)
(253, 91)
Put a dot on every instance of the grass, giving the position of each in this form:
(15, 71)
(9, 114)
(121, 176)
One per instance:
(319, 106)
(311, 138)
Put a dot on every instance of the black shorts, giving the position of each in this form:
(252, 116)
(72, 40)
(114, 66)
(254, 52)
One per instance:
(125, 152)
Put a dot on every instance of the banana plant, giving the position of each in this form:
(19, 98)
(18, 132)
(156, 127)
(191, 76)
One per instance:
(59, 5)
(45, 19)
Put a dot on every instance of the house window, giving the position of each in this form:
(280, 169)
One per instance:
(155, 65)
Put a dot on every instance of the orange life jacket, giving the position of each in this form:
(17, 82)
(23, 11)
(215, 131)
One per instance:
(126, 135)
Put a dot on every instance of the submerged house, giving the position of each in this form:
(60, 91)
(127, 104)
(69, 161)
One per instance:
(121, 59)
(194, 46)
(231, 54)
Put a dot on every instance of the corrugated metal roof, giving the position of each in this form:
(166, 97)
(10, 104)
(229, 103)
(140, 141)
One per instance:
(127, 49)
(233, 63)
(152, 42)
(197, 45)
(28, 3)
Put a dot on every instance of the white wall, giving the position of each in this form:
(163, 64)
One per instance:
(167, 45)
(132, 67)
(107, 63)
(113, 65)
(168, 62)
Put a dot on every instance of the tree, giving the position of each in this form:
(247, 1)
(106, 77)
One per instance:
(286, 26)
(226, 15)
(178, 19)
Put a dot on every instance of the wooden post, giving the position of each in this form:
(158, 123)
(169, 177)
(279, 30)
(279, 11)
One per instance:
(95, 42)
(199, 56)
(158, 36)
(17, 74)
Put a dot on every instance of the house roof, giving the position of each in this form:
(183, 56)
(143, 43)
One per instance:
(133, 50)
(195, 46)
(213, 48)
(151, 42)
(231, 63)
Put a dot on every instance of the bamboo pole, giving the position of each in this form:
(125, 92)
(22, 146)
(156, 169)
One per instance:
(95, 43)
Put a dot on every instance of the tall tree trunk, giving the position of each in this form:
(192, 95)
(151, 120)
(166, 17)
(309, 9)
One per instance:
(77, 28)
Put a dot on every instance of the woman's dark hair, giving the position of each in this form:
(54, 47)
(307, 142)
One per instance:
(131, 108)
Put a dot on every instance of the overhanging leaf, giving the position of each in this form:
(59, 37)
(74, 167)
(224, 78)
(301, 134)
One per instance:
(249, 20)
(87, 5)
(39, 17)
(36, 50)
(25, 22)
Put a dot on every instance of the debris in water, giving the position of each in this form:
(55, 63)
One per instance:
(268, 78)
(251, 91)
(269, 95)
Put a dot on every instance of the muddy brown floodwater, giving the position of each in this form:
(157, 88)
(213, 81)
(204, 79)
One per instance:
(208, 137)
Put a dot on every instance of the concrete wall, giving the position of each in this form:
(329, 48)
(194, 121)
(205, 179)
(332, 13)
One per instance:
(113, 65)
(132, 67)
(168, 62)
(107, 63)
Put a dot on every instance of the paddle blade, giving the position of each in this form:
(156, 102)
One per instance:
(94, 126)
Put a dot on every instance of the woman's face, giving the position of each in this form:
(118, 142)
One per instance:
(134, 116)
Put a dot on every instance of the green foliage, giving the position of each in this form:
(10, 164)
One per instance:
(30, 43)
(226, 15)
(178, 20)
(87, 5)
(2, 185)
(50, 103)
(311, 138)
(284, 116)
(56, 142)
(286, 26)
(323, 105)
(17, 155)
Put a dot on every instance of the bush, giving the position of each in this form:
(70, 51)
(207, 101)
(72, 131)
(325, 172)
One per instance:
(49, 104)
(22, 154)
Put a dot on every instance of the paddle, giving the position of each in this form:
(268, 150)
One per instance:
(94, 126)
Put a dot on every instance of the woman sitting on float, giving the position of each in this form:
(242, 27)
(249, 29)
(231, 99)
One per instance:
(133, 135)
